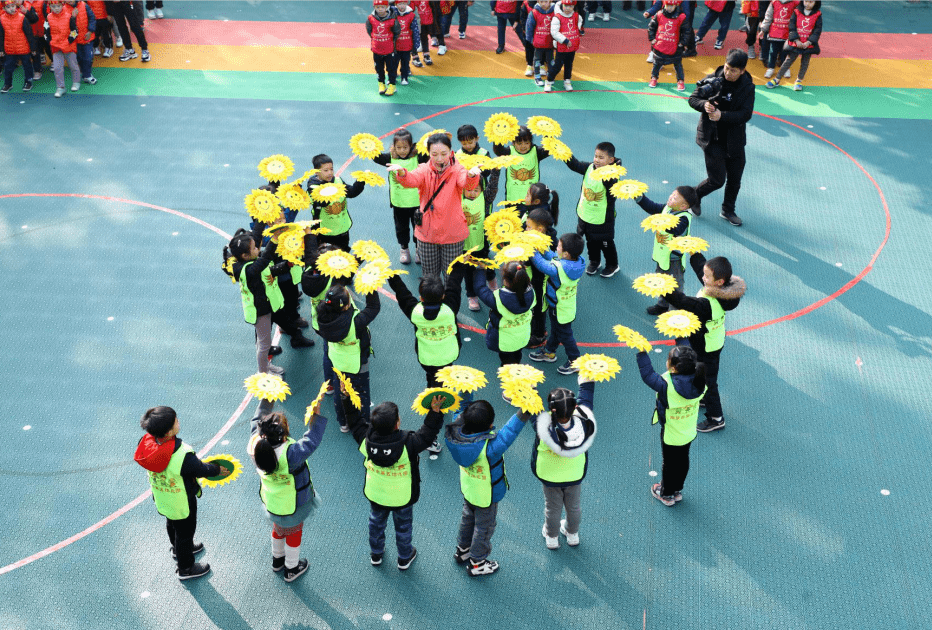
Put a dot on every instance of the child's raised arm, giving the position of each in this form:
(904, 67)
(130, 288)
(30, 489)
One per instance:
(649, 375)
(406, 300)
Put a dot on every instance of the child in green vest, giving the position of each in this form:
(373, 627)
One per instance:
(509, 327)
(479, 198)
(721, 292)
(558, 458)
(404, 201)
(670, 262)
(173, 469)
(520, 177)
(679, 390)
(563, 269)
(596, 210)
(333, 216)
(393, 478)
(542, 211)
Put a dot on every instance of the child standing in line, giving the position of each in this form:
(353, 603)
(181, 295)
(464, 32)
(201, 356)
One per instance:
(752, 12)
(520, 177)
(86, 24)
(61, 33)
(558, 458)
(537, 32)
(479, 451)
(426, 18)
(669, 36)
(718, 10)
(774, 30)
(505, 13)
(509, 327)
(16, 43)
(173, 470)
(679, 390)
(404, 201)
(542, 206)
(803, 41)
(409, 32)
(334, 216)
(285, 484)
(596, 210)
(565, 31)
(103, 33)
(383, 29)
(520, 26)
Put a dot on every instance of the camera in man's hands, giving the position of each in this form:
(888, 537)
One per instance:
(709, 88)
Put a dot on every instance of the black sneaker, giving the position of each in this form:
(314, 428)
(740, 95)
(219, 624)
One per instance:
(278, 563)
(416, 62)
(274, 351)
(294, 573)
(568, 368)
(656, 309)
(128, 54)
(608, 272)
(707, 426)
(482, 567)
(301, 323)
(5, 89)
(536, 342)
(428, 60)
(718, 44)
(196, 570)
(301, 342)
(731, 217)
(375, 559)
(500, 50)
(198, 548)
(461, 555)
(404, 564)
(27, 86)
(435, 448)
(592, 269)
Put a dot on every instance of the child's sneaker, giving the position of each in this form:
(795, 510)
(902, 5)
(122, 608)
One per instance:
(482, 567)
(375, 559)
(27, 86)
(442, 50)
(752, 54)
(708, 425)
(548, 86)
(404, 564)
(608, 272)
(772, 83)
(543, 355)
(90, 80)
(196, 570)
(158, 14)
(539, 81)
(5, 89)
(552, 543)
(381, 88)
(294, 573)
(718, 44)
(405, 257)
(571, 539)
(461, 555)
(75, 87)
(36, 75)
(417, 257)
(128, 54)
(592, 17)
(677, 496)
(416, 62)
(150, 14)
(196, 548)
(278, 563)
(276, 369)
(606, 17)
(435, 448)
(108, 52)
(787, 75)
(473, 303)
(60, 92)
(769, 73)
(699, 41)
(118, 42)
(680, 86)
(462, 35)
(567, 368)
(529, 71)
(390, 90)
(667, 501)
(146, 58)
(798, 86)
(653, 82)
(650, 57)
(428, 60)
(592, 269)
(97, 51)
(404, 82)
(568, 85)
(433, 42)
(344, 428)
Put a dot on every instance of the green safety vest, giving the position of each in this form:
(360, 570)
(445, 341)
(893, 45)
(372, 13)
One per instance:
(390, 486)
(593, 199)
(339, 223)
(715, 327)
(398, 195)
(682, 414)
(344, 354)
(476, 480)
(277, 490)
(475, 207)
(514, 331)
(548, 466)
(171, 500)
(296, 271)
(436, 338)
(316, 300)
(272, 291)
(519, 178)
(566, 296)
(662, 252)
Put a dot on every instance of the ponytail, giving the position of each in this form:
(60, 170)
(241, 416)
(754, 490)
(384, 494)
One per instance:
(555, 206)
(273, 429)
(264, 455)
(514, 274)
(562, 404)
(333, 303)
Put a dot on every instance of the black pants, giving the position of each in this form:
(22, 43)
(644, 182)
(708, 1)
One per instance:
(403, 62)
(404, 221)
(340, 240)
(291, 296)
(181, 536)
(562, 60)
(104, 33)
(122, 13)
(596, 243)
(662, 60)
(606, 6)
(430, 371)
(152, 6)
(383, 62)
(675, 467)
(447, 20)
(528, 52)
(538, 318)
(285, 321)
(712, 399)
(508, 358)
(722, 170)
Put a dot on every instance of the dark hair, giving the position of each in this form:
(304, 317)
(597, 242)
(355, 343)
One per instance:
(543, 194)
(721, 268)
(524, 134)
(562, 404)
(737, 58)
(321, 159)
(466, 132)
(239, 245)
(431, 288)
(685, 361)
(272, 187)
(158, 421)
(405, 136)
(322, 248)
(542, 216)
(333, 303)
(272, 433)
(515, 275)
(689, 195)
(573, 244)
(383, 417)
(478, 416)
(439, 138)
(606, 147)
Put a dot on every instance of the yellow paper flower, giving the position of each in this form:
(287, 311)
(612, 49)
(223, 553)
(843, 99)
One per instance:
(470, 161)
(540, 242)
(350, 391)
(307, 175)
(522, 374)
(544, 126)
(501, 128)
(632, 338)
(421, 404)
(502, 161)
(227, 461)
(276, 168)
(373, 179)
(421, 145)
(464, 258)
(517, 252)
(677, 324)
(610, 171)
(370, 277)
(628, 189)
(267, 386)
(337, 264)
(502, 225)
(597, 367)
(688, 244)
(262, 206)
(328, 193)
(309, 412)
(228, 268)
(654, 284)
(369, 251)
(523, 397)
(366, 146)
(557, 148)
(293, 197)
(462, 378)
(291, 246)
(660, 223)
(321, 230)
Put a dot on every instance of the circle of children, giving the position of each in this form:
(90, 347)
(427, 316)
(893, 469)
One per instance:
(282, 256)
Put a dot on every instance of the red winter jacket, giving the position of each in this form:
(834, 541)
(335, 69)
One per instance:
(446, 223)
(15, 34)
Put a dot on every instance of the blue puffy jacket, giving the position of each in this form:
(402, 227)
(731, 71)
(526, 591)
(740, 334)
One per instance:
(466, 448)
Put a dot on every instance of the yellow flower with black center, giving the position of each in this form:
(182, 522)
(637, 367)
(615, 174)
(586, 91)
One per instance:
(451, 402)
(233, 465)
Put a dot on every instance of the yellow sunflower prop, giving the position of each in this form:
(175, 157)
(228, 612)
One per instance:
(227, 461)
(514, 251)
(276, 168)
(291, 246)
(309, 413)
(611, 171)
(505, 204)
(228, 267)
(502, 161)
(540, 242)
(660, 222)
(370, 277)
(267, 386)
(421, 145)
(557, 148)
(544, 126)
(464, 258)
(632, 338)
(293, 197)
(366, 146)
(520, 373)
(628, 189)
(688, 244)
(501, 128)
(523, 397)
(337, 264)
(369, 251)
(451, 402)
(597, 367)
(677, 324)
(328, 193)
(284, 227)
(654, 284)
(469, 161)
(462, 378)
(373, 179)
(262, 206)
(502, 225)
(350, 391)
(307, 175)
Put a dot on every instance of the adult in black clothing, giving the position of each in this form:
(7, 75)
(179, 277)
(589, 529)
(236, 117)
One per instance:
(721, 132)
(123, 12)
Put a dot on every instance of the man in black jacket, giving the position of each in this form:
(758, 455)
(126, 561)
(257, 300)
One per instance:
(726, 101)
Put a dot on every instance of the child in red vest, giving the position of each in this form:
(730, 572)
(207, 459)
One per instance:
(564, 28)
(104, 31)
(718, 10)
(751, 11)
(383, 30)
(87, 26)
(427, 19)
(505, 13)
(409, 32)
(537, 31)
(805, 28)
(774, 30)
(16, 43)
(669, 36)
(62, 34)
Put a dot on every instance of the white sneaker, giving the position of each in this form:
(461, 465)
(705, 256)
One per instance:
(96, 52)
(59, 92)
(275, 369)
(150, 14)
(787, 75)
(529, 71)
(650, 57)
(769, 73)
(404, 82)
(90, 80)
(592, 17)
(75, 87)
(118, 42)
(159, 14)
(552, 543)
(434, 42)
(548, 86)
(442, 50)
(606, 17)
(568, 85)
(571, 539)
(462, 35)
(108, 52)
(751, 53)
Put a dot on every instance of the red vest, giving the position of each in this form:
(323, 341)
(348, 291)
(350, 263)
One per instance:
(80, 10)
(38, 29)
(405, 39)
(715, 5)
(99, 9)
(542, 38)
(506, 7)
(424, 13)
(60, 29)
(569, 27)
(805, 25)
(14, 39)
(668, 33)
(383, 42)
(780, 28)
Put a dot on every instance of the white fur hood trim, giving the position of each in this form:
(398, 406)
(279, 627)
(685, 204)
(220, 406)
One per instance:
(542, 426)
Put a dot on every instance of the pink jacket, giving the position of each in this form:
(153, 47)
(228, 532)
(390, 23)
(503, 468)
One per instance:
(446, 223)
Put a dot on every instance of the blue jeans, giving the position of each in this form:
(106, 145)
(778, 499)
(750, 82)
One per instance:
(404, 522)
(463, 8)
(85, 59)
(9, 66)
(504, 19)
(724, 21)
(561, 333)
